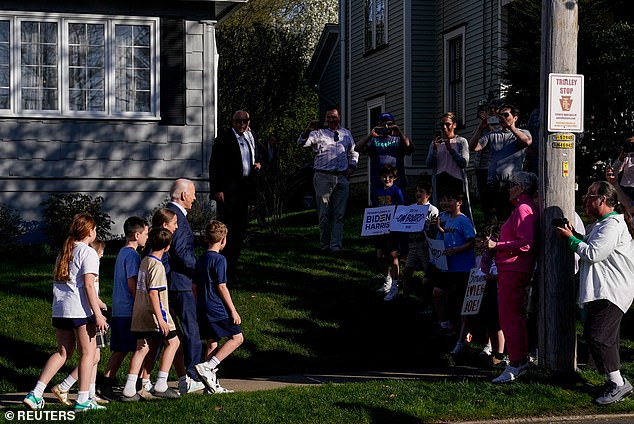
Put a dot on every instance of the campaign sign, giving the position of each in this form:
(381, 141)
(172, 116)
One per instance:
(376, 221)
(474, 293)
(409, 219)
(436, 255)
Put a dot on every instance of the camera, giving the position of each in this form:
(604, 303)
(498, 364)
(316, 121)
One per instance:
(628, 147)
(384, 131)
(560, 222)
(493, 120)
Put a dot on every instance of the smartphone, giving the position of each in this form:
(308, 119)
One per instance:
(493, 120)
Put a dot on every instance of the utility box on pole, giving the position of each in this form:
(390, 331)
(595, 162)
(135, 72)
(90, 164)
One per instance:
(556, 290)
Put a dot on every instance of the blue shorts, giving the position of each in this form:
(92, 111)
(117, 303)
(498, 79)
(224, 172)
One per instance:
(72, 323)
(218, 329)
(121, 338)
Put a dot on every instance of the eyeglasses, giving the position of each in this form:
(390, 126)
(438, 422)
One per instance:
(241, 121)
(505, 114)
(445, 124)
(336, 136)
(590, 196)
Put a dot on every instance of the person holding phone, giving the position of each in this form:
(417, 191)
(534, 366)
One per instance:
(624, 164)
(448, 157)
(386, 144)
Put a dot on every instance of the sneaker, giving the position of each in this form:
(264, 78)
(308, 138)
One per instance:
(33, 402)
(500, 362)
(167, 394)
(510, 374)
(487, 351)
(532, 357)
(207, 376)
(135, 398)
(87, 406)
(614, 393)
(189, 386)
(220, 390)
(99, 400)
(392, 293)
(61, 395)
(458, 348)
(387, 285)
(145, 394)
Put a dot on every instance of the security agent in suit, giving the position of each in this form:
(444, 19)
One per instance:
(235, 166)
(182, 262)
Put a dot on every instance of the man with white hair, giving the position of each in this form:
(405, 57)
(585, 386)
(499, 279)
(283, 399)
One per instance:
(182, 262)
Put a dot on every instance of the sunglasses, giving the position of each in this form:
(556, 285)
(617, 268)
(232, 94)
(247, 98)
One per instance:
(589, 196)
(241, 121)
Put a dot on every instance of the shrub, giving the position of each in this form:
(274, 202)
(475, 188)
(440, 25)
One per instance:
(12, 227)
(59, 210)
(202, 211)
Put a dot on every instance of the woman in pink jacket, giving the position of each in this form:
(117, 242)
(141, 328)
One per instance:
(515, 259)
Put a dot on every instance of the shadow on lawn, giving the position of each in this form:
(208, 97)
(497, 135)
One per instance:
(380, 415)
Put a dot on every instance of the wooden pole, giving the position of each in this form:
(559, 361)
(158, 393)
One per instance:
(557, 291)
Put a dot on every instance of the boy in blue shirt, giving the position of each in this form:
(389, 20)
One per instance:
(217, 315)
(388, 244)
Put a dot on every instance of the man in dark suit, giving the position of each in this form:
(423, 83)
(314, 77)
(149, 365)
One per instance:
(233, 171)
(182, 262)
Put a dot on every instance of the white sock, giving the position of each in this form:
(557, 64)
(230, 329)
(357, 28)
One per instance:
(38, 392)
(213, 363)
(146, 384)
(82, 397)
(92, 390)
(616, 377)
(67, 383)
(161, 382)
(130, 385)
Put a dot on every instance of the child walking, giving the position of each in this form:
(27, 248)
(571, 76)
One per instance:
(151, 320)
(76, 312)
(61, 390)
(217, 315)
(388, 244)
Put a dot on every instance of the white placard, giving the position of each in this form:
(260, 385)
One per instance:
(475, 292)
(565, 103)
(376, 221)
(436, 255)
(409, 219)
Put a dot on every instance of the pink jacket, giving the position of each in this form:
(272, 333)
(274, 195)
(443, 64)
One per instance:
(517, 248)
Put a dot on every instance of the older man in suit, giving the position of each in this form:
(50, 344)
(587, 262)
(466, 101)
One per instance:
(233, 171)
(182, 262)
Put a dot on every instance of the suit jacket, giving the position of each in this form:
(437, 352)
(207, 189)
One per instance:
(225, 169)
(181, 254)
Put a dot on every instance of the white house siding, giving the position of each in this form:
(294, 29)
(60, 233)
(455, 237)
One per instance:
(130, 163)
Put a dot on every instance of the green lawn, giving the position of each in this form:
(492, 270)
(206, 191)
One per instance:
(302, 313)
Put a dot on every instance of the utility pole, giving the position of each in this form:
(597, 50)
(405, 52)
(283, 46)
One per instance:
(557, 302)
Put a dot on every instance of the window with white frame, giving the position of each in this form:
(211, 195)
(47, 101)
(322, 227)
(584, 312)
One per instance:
(79, 66)
(454, 82)
(375, 23)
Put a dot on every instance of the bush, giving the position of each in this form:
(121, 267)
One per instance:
(59, 210)
(203, 210)
(12, 227)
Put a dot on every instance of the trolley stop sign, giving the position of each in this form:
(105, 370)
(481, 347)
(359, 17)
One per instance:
(565, 103)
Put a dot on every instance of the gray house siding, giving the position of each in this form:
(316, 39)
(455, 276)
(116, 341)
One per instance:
(130, 163)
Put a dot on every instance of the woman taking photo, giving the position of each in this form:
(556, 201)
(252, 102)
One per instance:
(515, 259)
(606, 282)
(448, 157)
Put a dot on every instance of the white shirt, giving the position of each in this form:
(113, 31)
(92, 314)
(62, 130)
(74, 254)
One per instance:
(607, 263)
(331, 155)
(69, 297)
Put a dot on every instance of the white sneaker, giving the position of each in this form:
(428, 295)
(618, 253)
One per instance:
(189, 386)
(219, 390)
(487, 351)
(510, 374)
(392, 293)
(387, 285)
(207, 376)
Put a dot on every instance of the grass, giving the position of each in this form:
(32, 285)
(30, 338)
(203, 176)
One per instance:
(303, 313)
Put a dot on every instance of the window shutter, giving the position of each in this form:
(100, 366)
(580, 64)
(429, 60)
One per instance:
(172, 71)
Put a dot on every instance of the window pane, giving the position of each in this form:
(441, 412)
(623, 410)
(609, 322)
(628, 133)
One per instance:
(133, 68)
(4, 98)
(87, 66)
(369, 19)
(4, 77)
(4, 31)
(39, 67)
(5, 65)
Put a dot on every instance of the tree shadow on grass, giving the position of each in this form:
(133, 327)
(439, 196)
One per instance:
(381, 415)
